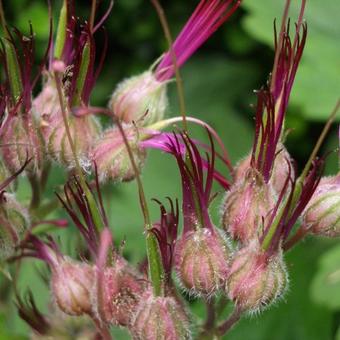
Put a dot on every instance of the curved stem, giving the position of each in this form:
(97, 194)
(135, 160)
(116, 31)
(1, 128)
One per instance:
(164, 123)
(320, 141)
(211, 314)
(230, 322)
(35, 185)
(179, 83)
(156, 271)
(300, 234)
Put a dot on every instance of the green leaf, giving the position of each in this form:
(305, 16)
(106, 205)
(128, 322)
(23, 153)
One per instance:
(325, 288)
(317, 83)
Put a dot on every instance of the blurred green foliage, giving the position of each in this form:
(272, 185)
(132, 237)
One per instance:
(218, 84)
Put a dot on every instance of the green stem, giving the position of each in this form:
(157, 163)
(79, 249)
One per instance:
(230, 322)
(179, 83)
(35, 186)
(97, 218)
(156, 270)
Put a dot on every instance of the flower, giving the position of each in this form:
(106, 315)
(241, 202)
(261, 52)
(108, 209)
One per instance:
(142, 98)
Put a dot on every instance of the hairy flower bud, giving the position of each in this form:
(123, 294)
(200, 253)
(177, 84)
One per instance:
(14, 222)
(282, 168)
(141, 97)
(256, 279)
(246, 205)
(22, 141)
(111, 155)
(122, 288)
(202, 261)
(160, 318)
(71, 285)
(83, 129)
(322, 214)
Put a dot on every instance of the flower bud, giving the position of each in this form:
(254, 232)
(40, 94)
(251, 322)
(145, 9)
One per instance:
(202, 261)
(322, 214)
(112, 158)
(83, 129)
(160, 318)
(256, 279)
(22, 141)
(246, 205)
(122, 289)
(14, 222)
(282, 169)
(141, 97)
(71, 285)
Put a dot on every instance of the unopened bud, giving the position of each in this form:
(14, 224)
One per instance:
(111, 156)
(322, 214)
(71, 284)
(256, 279)
(282, 169)
(21, 141)
(160, 318)
(122, 288)
(246, 205)
(83, 130)
(202, 261)
(141, 97)
(14, 223)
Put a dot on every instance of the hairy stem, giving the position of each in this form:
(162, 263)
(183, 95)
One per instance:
(230, 322)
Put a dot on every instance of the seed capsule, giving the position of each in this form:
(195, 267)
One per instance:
(322, 214)
(160, 318)
(202, 261)
(256, 280)
(246, 205)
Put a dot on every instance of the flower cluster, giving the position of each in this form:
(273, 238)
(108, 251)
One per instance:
(266, 204)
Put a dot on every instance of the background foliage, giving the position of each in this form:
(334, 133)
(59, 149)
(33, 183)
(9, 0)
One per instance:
(218, 81)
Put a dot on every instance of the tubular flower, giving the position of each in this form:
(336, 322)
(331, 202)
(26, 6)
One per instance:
(202, 252)
(143, 97)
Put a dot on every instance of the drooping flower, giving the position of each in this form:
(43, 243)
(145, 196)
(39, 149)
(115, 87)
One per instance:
(142, 98)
